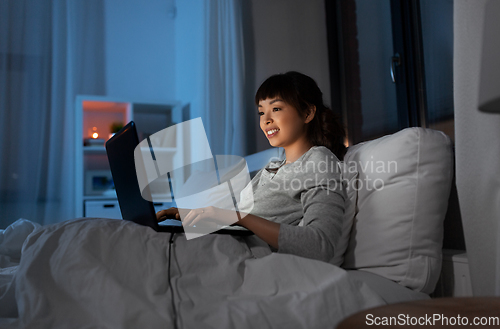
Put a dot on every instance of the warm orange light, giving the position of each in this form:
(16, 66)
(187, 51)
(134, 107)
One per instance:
(95, 134)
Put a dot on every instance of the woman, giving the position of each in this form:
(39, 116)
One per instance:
(111, 273)
(298, 203)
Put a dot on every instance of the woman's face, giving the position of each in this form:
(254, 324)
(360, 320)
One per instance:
(281, 123)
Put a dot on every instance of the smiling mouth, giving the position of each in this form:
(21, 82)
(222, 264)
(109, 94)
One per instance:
(272, 132)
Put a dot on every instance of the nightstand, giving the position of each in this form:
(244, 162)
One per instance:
(96, 117)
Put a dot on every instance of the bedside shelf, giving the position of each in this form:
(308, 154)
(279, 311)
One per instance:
(100, 197)
(94, 149)
(98, 114)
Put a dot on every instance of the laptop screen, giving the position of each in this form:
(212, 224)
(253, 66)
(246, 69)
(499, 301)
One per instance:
(120, 150)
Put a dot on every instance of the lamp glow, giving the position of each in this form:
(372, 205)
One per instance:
(95, 134)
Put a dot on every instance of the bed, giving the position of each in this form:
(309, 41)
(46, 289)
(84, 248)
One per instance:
(104, 273)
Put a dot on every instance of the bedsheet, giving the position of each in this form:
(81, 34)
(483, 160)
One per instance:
(103, 273)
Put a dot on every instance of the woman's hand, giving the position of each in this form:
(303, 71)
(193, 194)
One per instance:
(209, 216)
(170, 213)
(212, 216)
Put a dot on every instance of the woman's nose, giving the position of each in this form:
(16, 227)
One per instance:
(267, 119)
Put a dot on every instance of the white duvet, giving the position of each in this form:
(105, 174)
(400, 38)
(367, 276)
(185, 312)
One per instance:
(102, 273)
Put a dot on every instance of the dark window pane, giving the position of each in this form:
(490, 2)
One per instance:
(437, 37)
(378, 92)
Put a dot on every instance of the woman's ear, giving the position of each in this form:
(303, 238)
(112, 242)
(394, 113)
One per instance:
(311, 114)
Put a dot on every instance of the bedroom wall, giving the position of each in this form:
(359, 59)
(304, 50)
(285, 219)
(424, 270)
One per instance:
(151, 54)
(140, 57)
(477, 147)
(188, 47)
(285, 35)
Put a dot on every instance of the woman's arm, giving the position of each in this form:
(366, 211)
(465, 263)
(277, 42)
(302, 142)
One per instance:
(263, 228)
(322, 225)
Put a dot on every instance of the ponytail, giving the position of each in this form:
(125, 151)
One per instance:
(327, 130)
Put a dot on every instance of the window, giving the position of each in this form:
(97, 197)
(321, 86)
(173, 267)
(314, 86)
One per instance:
(391, 65)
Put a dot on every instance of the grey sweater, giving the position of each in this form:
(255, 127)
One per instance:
(306, 197)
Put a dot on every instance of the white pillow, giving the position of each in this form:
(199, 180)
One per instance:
(349, 180)
(403, 188)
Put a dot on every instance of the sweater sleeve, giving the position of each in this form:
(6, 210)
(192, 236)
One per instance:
(323, 207)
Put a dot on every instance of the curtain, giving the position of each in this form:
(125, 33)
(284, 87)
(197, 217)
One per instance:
(223, 109)
(50, 51)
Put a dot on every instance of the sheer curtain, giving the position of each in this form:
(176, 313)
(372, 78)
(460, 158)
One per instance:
(210, 73)
(224, 77)
(49, 52)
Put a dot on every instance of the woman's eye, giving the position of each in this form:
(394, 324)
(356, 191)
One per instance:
(261, 114)
(276, 109)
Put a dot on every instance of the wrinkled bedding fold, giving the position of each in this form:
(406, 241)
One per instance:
(114, 274)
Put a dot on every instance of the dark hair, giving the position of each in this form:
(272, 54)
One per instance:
(302, 92)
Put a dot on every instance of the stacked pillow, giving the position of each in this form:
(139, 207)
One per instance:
(398, 189)
(349, 182)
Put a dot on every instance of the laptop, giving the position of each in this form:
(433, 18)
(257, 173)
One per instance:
(120, 150)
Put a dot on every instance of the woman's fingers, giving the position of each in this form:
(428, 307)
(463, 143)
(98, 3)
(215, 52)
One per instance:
(189, 218)
(171, 213)
(210, 214)
(196, 220)
(193, 217)
(159, 215)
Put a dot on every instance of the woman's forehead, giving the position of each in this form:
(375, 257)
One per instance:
(271, 100)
